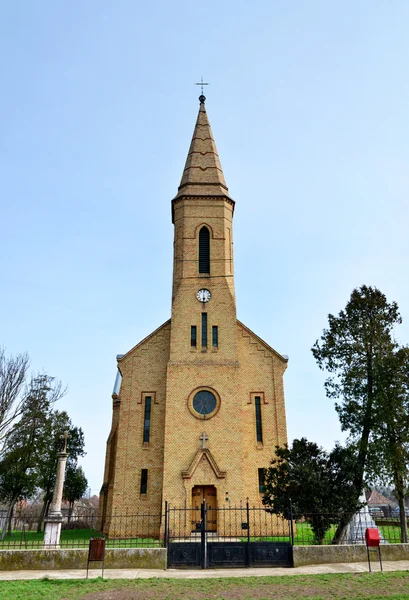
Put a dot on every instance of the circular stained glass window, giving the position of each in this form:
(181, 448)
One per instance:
(204, 402)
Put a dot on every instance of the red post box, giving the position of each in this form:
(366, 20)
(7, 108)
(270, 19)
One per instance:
(372, 537)
(373, 540)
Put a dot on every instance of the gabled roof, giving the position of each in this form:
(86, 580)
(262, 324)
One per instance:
(375, 497)
(203, 452)
(121, 357)
(282, 357)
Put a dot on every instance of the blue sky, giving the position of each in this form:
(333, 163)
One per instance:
(308, 103)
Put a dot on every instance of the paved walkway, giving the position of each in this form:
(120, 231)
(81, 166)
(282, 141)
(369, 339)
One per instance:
(398, 565)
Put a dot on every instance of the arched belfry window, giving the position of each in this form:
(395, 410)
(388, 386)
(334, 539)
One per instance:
(204, 250)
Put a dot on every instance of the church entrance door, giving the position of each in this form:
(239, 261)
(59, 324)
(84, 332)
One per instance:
(208, 493)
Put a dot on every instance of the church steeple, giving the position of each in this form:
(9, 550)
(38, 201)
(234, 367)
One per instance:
(203, 174)
(202, 213)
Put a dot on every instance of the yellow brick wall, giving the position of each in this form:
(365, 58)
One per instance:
(165, 365)
(143, 370)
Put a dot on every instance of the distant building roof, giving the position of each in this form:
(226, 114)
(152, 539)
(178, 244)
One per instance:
(375, 497)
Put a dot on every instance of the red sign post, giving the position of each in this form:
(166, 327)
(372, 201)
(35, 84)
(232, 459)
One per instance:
(373, 540)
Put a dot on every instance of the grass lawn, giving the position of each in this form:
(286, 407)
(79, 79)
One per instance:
(304, 535)
(362, 586)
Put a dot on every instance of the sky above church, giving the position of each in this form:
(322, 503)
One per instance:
(308, 103)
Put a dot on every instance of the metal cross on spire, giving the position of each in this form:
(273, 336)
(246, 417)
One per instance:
(202, 98)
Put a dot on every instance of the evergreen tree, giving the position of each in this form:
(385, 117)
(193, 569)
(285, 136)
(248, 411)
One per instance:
(353, 350)
(56, 424)
(389, 445)
(75, 486)
(25, 443)
(319, 484)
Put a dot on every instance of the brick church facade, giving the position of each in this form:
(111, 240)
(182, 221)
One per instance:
(198, 406)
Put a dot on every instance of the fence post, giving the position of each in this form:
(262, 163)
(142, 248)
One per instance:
(203, 510)
(165, 533)
(291, 523)
(249, 562)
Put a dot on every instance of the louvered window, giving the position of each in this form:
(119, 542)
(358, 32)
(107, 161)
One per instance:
(204, 250)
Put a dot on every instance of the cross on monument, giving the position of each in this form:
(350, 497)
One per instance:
(64, 437)
(204, 439)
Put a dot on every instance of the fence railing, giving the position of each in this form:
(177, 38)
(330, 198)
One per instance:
(335, 528)
(232, 523)
(238, 524)
(120, 531)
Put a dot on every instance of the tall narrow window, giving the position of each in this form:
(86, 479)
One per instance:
(204, 330)
(144, 481)
(193, 336)
(204, 250)
(259, 429)
(147, 419)
(261, 480)
(215, 336)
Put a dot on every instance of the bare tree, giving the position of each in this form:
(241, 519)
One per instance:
(13, 372)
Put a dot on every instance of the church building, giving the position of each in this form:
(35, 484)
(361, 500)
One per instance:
(198, 405)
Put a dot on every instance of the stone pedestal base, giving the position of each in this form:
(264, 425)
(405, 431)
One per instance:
(52, 532)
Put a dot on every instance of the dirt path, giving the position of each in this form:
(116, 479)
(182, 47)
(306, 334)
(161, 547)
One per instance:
(299, 587)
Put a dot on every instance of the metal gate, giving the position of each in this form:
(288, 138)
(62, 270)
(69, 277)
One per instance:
(245, 537)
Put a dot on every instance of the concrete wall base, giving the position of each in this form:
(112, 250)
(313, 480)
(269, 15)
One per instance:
(316, 555)
(76, 558)
(156, 558)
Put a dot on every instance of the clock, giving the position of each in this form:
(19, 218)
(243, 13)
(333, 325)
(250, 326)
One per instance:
(203, 295)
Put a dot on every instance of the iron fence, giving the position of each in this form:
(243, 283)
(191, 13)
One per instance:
(120, 531)
(336, 528)
(251, 524)
(232, 523)
(242, 523)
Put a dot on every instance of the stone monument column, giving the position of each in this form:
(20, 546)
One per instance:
(53, 521)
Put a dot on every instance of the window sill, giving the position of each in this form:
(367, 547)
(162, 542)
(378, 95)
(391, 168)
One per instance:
(259, 446)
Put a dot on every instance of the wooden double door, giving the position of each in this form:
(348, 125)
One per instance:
(208, 493)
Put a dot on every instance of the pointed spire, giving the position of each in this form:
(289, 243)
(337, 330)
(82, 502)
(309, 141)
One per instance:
(202, 175)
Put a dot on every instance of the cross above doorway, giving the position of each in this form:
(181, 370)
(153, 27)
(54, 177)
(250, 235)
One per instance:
(204, 439)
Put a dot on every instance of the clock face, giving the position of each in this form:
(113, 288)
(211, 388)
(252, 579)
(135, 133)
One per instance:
(203, 295)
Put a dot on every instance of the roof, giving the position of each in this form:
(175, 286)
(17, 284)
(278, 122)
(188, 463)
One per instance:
(283, 357)
(375, 497)
(203, 174)
(120, 357)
